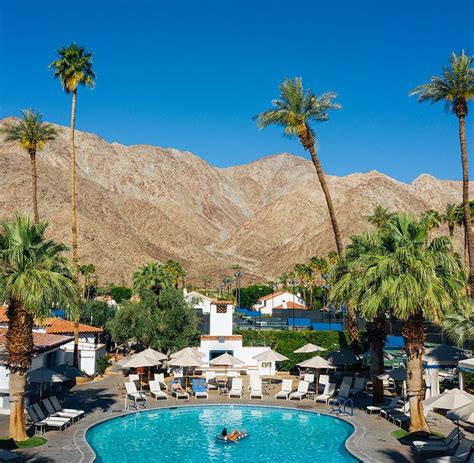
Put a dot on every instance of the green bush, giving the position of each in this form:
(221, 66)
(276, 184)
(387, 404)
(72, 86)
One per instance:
(102, 365)
(285, 342)
(120, 293)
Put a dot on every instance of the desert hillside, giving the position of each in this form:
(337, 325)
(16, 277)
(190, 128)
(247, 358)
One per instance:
(137, 203)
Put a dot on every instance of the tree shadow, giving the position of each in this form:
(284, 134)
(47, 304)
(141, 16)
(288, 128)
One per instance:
(396, 456)
(90, 399)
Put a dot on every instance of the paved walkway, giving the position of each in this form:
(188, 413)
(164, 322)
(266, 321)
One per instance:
(102, 399)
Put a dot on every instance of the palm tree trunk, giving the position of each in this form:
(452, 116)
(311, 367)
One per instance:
(19, 343)
(376, 334)
(352, 329)
(414, 336)
(465, 201)
(34, 184)
(75, 359)
(327, 194)
(311, 296)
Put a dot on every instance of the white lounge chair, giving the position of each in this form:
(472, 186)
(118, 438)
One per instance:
(359, 384)
(285, 391)
(156, 391)
(42, 416)
(41, 423)
(256, 391)
(301, 392)
(138, 398)
(52, 412)
(211, 381)
(309, 377)
(59, 408)
(236, 389)
(160, 377)
(374, 409)
(432, 447)
(132, 378)
(461, 455)
(328, 393)
(253, 375)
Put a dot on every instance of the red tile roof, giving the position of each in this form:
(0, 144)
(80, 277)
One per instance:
(270, 296)
(42, 341)
(291, 305)
(58, 325)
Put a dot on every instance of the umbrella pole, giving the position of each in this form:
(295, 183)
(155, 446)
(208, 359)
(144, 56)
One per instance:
(316, 390)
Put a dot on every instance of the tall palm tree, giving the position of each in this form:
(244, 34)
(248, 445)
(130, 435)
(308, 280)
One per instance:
(295, 110)
(456, 88)
(86, 270)
(379, 217)
(74, 68)
(175, 270)
(416, 280)
(152, 276)
(35, 275)
(32, 134)
(459, 325)
(318, 267)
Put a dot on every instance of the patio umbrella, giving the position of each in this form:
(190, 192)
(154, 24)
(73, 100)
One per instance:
(397, 374)
(225, 360)
(317, 363)
(270, 356)
(45, 375)
(69, 371)
(186, 360)
(465, 366)
(342, 357)
(154, 354)
(450, 399)
(139, 360)
(309, 348)
(464, 413)
(188, 350)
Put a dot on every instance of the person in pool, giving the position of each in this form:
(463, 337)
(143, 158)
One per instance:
(233, 436)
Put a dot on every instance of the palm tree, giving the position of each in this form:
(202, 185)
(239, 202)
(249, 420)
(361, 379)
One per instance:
(303, 273)
(152, 276)
(283, 280)
(35, 275)
(451, 217)
(456, 87)
(175, 270)
(295, 110)
(415, 280)
(318, 267)
(459, 325)
(73, 68)
(379, 217)
(86, 270)
(432, 219)
(32, 134)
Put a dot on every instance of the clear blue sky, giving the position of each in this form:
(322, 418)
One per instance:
(191, 74)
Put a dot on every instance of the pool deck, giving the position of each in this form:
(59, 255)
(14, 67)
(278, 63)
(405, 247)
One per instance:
(102, 399)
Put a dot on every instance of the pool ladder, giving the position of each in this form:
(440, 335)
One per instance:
(342, 407)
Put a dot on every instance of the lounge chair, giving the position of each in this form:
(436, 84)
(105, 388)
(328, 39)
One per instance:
(59, 408)
(52, 412)
(374, 409)
(437, 441)
(199, 388)
(211, 381)
(432, 447)
(346, 381)
(256, 389)
(285, 391)
(132, 378)
(462, 453)
(156, 391)
(177, 394)
(398, 408)
(42, 416)
(342, 395)
(41, 423)
(160, 378)
(236, 389)
(253, 375)
(328, 393)
(359, 384)
(309, 377)
(138, 398)
(301, 392)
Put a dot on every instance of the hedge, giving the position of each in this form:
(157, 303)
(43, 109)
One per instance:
(285, 342)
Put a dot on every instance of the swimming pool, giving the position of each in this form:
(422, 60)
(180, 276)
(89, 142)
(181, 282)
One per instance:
(187, 434)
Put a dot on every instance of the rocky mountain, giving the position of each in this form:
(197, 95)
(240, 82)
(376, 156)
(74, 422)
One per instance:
(137, 203)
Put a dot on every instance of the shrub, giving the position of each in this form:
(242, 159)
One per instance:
(102, 365)
(120, 293)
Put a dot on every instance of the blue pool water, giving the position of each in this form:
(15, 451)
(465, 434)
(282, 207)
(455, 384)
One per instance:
(187, 434)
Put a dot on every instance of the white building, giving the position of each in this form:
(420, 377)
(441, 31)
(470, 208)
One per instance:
(198, 301)
(46, 353)
(221, 340)
(279, 300)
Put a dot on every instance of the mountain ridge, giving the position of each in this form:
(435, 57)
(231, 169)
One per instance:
(143, 202)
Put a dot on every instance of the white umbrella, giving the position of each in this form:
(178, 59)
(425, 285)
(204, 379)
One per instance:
(186, 360)
(226, 360)
(189, 350)
(270, 356)
(139, 360)
(317, 363)
(45, 375)
(464, 413)
(450, 399)
(443, 356)
(309, 348)
(154, 354)
(463, 367)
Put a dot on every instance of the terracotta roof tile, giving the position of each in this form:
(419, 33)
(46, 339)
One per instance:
(291, 305)
(42, 341)
(60, 326)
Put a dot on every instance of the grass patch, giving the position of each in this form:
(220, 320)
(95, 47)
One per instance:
(402, 434)
(10, 444)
